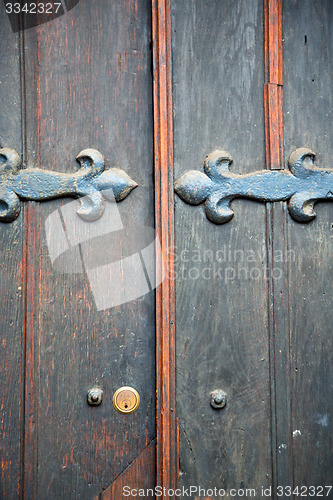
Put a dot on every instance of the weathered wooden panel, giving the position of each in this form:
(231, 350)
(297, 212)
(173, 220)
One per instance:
(89, 81)
(139, 475)
(308, 49)
(11, 277)
(221, 296)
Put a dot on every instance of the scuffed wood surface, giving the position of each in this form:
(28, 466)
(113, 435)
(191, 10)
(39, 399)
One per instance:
(308, 48)
(222, 322)
(11, 278)
(89, 84)
(140, 474)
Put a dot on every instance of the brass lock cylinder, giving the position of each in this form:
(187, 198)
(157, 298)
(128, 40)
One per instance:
(126, 400)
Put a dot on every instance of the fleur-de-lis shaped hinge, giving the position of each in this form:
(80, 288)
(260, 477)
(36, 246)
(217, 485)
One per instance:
(302, 186)
(91, 183)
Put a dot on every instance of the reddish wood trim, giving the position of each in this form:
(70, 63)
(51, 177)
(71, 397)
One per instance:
(273, 102)
(166, 453)
(273, 41)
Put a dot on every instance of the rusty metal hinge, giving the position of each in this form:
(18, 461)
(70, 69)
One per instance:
(91, 183)
(302, 187)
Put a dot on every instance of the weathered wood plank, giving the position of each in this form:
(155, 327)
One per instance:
(279, 332)
(221, 297)
(139, 475)
(308, 48)
(91, 87)
(11, 278)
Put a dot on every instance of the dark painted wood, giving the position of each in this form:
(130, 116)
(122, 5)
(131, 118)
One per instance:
(11, 277)
(308, 47)
(139, 475)
(278, 257)
(88, 77)
(222, 319)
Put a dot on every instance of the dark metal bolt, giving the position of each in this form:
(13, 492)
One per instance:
(218, 399)
(95, 396)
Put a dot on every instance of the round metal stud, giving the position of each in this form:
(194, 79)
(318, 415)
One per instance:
(218, 399)
(95, 396)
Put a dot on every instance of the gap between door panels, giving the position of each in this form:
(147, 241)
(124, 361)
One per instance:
(277, 242)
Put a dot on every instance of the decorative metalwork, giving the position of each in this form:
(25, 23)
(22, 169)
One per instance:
(90, 183)
(303, 186)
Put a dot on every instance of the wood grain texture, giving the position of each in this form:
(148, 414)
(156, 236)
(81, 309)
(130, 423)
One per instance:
(308, 48)
(273, 42)
(167, 457)
(140, 474)
(273, 99)
(89, 84)
(221, 299)
(11, 278)
(278, 259)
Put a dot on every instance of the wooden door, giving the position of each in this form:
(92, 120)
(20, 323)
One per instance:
(244, 305)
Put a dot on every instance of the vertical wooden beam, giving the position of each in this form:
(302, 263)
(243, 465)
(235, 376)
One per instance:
(277, 246)
(167, 461)
(31, 242)
(273, 103)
